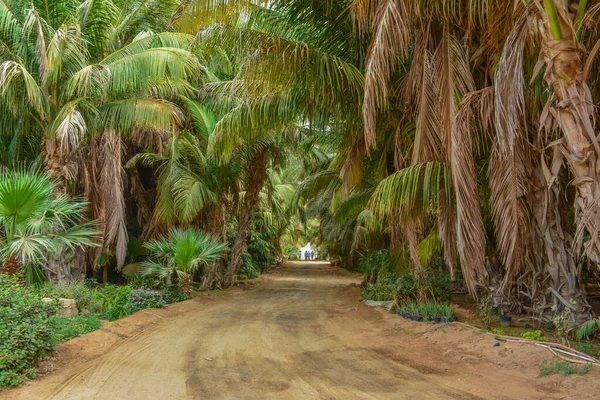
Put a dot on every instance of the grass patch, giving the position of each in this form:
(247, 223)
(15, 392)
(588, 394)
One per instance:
(65, 327)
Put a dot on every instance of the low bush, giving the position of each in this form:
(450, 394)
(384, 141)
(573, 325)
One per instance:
(65, 327)
(25, 334)
(431, 285)
(173, 294)
(142, 298)
(534, 335)
(87, 301)
(114, 300)
(563, 367)
(382, 290)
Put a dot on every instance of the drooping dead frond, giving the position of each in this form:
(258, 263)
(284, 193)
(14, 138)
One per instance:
(509, 84)
(508, 189)
(111, 184)
(427, 145)
(470, 234)
(390, 43)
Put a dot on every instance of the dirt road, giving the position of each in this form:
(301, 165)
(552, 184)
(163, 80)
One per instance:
(299, 333)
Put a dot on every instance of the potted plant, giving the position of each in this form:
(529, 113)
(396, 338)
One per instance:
(505, 320)
(447, 313)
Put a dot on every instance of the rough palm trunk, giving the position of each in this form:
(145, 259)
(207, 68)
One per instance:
(217, 227)
(572, 111)
(256, 178)
(555, 282)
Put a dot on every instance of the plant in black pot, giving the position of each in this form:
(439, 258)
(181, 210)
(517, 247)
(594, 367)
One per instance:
(447, 313)
(505, 320)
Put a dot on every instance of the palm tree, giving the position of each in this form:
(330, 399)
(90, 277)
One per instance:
(179, 255)
(79, 76)
(41, 227)
(565, 133)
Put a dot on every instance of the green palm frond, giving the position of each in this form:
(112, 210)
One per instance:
(412, 190)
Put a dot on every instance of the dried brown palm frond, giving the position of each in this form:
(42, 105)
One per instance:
(390, 43)
(112, 200)
(470, 234)
(509, 84)
(508, 184)
(428, 137)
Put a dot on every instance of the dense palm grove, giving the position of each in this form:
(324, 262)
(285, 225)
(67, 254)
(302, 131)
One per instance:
(201, 139)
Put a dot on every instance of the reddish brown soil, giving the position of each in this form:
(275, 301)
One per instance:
(299, 333)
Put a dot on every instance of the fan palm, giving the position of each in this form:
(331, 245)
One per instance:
(39, 226)
(180, 254)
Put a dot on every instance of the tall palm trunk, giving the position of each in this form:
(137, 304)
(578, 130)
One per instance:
(257, 175)
(217, 227)
(573, 110)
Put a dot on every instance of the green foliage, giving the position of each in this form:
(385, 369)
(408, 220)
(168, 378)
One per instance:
(534, 335)
(65, 327)
(427, 310)
(114, 300)
(372, 262)
(182, 252)
(588, 328)
(563, 367)
(142, 298)
(86, 298)
(248, 269)
(382, 290)
(25, 334)
(172, 294)
(36, 222)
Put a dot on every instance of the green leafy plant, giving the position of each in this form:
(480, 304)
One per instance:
(114, 300)
(180, 254)
(25, 334)
(65, 327)
(563, 368)
(37, 223)
(588, 328)
(142, 298)
(534, 335)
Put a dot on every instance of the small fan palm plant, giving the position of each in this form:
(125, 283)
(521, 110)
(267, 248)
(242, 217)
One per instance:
(39, 226)
(177, 256)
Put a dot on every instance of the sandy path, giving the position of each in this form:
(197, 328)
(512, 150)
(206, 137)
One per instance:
(299, 333)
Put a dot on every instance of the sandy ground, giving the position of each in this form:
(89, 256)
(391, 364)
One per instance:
(299, 333)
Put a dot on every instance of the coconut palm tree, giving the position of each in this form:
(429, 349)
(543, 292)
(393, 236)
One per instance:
(41, 227)
(179, 255)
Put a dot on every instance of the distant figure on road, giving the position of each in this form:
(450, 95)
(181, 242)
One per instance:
(306, 255)
(312, 255)
(300, 255)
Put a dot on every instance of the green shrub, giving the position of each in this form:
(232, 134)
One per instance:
(382, 290)
(87, 301)
(142, 298)
(65, 327)
(563, 368)
(114, 300)
(173, 294)
(534, 335)
(372, 263)
(25, 334)
(437, 283)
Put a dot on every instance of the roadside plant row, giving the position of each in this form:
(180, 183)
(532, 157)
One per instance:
(30, 327)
